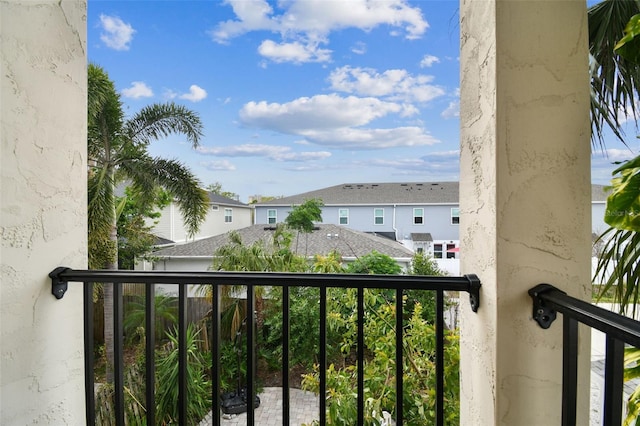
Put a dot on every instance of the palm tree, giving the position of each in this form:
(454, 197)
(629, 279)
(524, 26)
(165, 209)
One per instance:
(117, 152)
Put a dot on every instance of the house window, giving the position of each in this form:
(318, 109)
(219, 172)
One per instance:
(437, 251)
(228, 215)
(272, 216)
(455, 216)
(418, 216)
(343, 216)
(214, 207)
(378, 216)
(451, 254)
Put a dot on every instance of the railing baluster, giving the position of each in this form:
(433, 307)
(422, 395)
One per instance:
(89, 375)
(285, 356)
(182, 354)
(613, 381)
(118, 368)
(439, 358)
(251, 344)
(569, 371)
(215, 358)
(399, 358)
(323, 355)
(150, 345)
(360, 351)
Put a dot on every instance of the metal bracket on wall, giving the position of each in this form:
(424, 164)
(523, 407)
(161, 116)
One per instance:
(474, 291)
(544, 315)
(58, 285)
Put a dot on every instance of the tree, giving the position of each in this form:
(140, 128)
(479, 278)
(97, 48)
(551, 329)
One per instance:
(374, 263)
(117, 152)
(216, 188)
(302, 218)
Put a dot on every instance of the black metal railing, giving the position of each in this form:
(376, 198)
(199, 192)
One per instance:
(61, 276)
(619, 331)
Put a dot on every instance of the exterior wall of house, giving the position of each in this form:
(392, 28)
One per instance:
(171, 226)
(43, 220)
(525, 200)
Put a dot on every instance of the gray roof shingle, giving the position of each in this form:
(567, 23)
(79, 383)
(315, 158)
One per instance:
(347, 242)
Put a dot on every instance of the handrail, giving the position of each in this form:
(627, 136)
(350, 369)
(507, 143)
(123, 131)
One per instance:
(469, 283)
(60, 277)
(619, 330)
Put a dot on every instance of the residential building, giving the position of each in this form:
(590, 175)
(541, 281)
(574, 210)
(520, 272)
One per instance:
(351, 244)
(423, 216)
(224, 214)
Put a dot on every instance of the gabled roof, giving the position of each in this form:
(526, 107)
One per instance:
(347, 242)
(377, 193)
(392, 193)
(219, 199)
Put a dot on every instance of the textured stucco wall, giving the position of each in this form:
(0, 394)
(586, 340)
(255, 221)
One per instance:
(525, 200)
(43, 209)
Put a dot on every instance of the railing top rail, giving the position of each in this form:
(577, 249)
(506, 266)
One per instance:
(547, 300)
(468, 283)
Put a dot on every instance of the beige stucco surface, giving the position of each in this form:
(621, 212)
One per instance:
(43, 209)
(525, 201)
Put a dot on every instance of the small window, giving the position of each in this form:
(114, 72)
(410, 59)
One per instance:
(455, 216)
(450, 253)
(272, 216)
(378, 216)
(214, 207)
(418, 216)
(437, 251)
(228, 215)
(343, 216)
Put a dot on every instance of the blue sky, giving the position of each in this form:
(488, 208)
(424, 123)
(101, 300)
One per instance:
(297, 95)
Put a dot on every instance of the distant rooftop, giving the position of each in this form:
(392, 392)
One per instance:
(391, 193)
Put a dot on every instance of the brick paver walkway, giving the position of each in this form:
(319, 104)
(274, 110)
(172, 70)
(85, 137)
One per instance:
(304, 408)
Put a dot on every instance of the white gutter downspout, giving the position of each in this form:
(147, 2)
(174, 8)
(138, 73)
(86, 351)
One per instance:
(393, 225)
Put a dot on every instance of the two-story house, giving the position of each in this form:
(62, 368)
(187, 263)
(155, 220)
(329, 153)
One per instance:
(423, 216)
(225, 214)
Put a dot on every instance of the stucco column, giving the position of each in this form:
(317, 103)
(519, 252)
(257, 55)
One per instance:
(43, 202)
(524, 199)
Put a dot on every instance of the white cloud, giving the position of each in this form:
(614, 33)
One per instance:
(137, 90)
(222, 165)
(295, 52)
(444, 163)
(452, 110)
(169, 94)
(359, 48)
(312, 20)
(428, 61)
(331, 120)
(393, 84)
(277, 153)
(196, 94)
(317, 112)
(116, 34)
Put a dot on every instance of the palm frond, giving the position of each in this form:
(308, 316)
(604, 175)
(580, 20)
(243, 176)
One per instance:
(160, 120)
(615, 80)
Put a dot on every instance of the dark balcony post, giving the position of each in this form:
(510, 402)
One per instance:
(399, 358)
(118, 352)
(215, 351)
(569, 371)
(285, 356)
(360, 351)
(439, 358)
(322, 356)
(613, 381)
(89, 361)
(150, 345)
(251, 353)
(183, 351)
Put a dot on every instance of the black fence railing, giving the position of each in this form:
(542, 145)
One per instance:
(469, 284)
(619, 331)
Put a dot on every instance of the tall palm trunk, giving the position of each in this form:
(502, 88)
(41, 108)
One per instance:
(108, 298)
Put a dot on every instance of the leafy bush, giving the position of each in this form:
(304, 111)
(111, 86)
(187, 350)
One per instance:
(198, 385)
